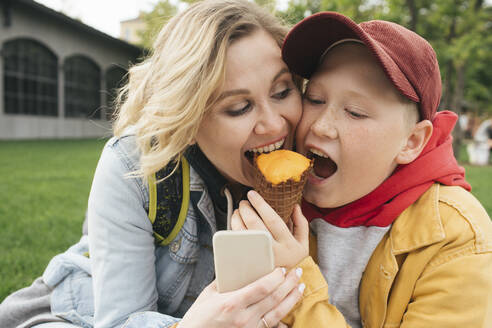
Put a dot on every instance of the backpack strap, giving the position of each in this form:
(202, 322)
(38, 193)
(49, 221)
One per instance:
(168, 201)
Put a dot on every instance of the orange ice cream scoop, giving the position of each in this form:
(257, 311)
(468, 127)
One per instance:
(282, 165)
(280, 177)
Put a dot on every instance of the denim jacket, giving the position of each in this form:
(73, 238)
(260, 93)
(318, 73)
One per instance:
(128, 281)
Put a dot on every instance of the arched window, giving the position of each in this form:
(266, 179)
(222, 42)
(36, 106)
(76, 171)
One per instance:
(115, 79)
(30, 78)
(82, 87)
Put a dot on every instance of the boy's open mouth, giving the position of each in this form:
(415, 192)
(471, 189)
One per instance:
(323, 166)
(251, 153)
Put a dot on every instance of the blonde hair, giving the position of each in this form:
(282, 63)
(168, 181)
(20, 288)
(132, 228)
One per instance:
(169, 93)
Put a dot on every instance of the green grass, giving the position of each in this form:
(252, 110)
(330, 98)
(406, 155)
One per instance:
(480, 178)
(44, 187)
(43, 196)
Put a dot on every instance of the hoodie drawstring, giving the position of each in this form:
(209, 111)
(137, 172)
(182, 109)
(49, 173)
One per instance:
(230, 206)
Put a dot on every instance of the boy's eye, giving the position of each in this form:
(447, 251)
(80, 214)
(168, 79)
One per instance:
(355, 115)
(239, 110)
(282, 94)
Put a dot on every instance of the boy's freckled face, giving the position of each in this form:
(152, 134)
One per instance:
(354, 124)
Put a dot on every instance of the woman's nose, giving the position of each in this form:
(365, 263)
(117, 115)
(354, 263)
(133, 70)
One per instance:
(269, 121)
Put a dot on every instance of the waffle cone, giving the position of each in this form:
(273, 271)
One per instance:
(282, 197)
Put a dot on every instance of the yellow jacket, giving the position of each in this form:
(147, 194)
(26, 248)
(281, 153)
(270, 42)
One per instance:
(432, 269)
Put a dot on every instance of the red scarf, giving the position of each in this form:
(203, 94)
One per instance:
(408, 182)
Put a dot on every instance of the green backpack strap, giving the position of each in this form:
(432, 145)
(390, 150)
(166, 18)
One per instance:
(168, 201)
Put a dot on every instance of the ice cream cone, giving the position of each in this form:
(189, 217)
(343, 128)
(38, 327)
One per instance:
(283, 196)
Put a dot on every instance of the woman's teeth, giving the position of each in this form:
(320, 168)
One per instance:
(269, 148)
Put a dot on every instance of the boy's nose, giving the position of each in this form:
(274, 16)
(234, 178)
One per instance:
(325, 127)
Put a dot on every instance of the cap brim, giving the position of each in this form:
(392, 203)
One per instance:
(307, 41)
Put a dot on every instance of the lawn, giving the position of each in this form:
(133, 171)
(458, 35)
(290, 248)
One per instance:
(43, 197)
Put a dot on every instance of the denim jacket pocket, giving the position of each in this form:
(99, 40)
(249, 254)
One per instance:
(174, 267)
(184, 248)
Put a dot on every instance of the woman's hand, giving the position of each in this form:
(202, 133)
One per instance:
(289, 248)
(270, 297)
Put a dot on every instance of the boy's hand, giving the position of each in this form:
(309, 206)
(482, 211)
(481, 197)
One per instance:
(289, 248)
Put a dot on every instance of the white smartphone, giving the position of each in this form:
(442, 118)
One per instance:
(241, 257)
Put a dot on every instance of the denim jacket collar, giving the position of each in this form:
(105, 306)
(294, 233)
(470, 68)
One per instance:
(214, 181)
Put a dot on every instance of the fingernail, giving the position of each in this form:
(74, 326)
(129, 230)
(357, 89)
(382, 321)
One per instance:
(302, 287)
(283, 271)
(299, 272)
(252, 193)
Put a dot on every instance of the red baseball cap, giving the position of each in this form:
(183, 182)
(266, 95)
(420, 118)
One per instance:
(406, 58)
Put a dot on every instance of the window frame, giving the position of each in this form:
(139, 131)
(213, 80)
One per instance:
(82, 87)
(30, 73)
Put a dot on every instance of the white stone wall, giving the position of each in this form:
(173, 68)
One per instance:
(130, 30)
(64, 40)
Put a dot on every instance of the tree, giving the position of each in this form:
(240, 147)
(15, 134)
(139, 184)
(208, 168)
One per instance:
(154, 21)
(458, 30)
(271, 5)
(358, 10)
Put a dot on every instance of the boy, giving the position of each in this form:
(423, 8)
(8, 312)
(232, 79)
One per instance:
(400, 240)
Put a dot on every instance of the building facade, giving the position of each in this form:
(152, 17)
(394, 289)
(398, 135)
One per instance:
(57, 75)
(130, 29)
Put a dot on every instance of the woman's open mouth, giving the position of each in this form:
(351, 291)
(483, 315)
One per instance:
(251, 153)
(323, 166)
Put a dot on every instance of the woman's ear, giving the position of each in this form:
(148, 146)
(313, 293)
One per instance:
(416, 142)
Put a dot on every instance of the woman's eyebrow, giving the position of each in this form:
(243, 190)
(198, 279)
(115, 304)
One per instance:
(280, 73)
(236, 92)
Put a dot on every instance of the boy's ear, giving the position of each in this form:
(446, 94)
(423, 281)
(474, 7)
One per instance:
(416, 141)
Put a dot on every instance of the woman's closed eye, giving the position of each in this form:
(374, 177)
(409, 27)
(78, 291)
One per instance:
(239, 109)
(282, 94)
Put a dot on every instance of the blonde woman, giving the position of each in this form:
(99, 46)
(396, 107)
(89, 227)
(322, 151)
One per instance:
(213, 92)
